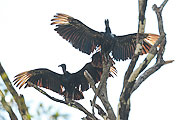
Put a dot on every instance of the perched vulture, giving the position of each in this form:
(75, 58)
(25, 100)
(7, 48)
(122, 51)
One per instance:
(87, 40)
(70, 85)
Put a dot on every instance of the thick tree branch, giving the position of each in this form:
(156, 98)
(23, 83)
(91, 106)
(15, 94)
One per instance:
(106, 66)
(92, 84)
(142, 19)
(141, 28)
(132, 84)
(147, 73)
(124, 101)
(162, 41)
(129, 87)
(7, 107)
(133, 60)
(18, 99)
(101, 91)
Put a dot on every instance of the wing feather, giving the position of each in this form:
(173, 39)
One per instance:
(41, 77)
(68, 27)
(125, 45)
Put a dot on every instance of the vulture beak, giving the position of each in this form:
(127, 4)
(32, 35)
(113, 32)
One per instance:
(63, 67)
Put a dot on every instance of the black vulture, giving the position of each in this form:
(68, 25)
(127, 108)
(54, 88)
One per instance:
(87, 40)
(70, 85)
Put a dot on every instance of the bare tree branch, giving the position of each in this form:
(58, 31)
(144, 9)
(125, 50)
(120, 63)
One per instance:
(101, 91)
(162, 41)
(125, 95)
(101, 111)
(93, 104)
(158, 11)
(124, 101)
(141, 27)
(142, 19)
(18, 99)
(131, 85)
(104, 77)
(147, 73)
(92, 85)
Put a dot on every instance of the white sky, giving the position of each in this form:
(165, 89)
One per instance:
(28, 41)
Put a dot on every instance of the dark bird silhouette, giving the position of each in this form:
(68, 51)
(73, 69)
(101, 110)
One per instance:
(70, 85)
(87, 40)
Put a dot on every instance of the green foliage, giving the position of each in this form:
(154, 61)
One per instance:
(50, 113)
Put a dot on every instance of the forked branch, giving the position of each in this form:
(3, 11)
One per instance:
(131, 85)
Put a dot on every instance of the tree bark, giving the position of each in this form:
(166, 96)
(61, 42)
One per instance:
(130, 82)
(18, 99)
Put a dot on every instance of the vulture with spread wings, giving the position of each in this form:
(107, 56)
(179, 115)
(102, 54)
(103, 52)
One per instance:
(87, 40)
(70, 85)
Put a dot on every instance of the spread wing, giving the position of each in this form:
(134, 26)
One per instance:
(124, 46)
(41, 77)
(78, 34)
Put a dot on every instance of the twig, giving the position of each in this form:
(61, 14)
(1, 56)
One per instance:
(92, 85)
(18, 99)
(158, 11)
(7, 107)
(101, 111)
(147, 73)
(69, 103)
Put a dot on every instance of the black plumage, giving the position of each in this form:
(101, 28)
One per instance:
(87, 40)
(71, 85)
